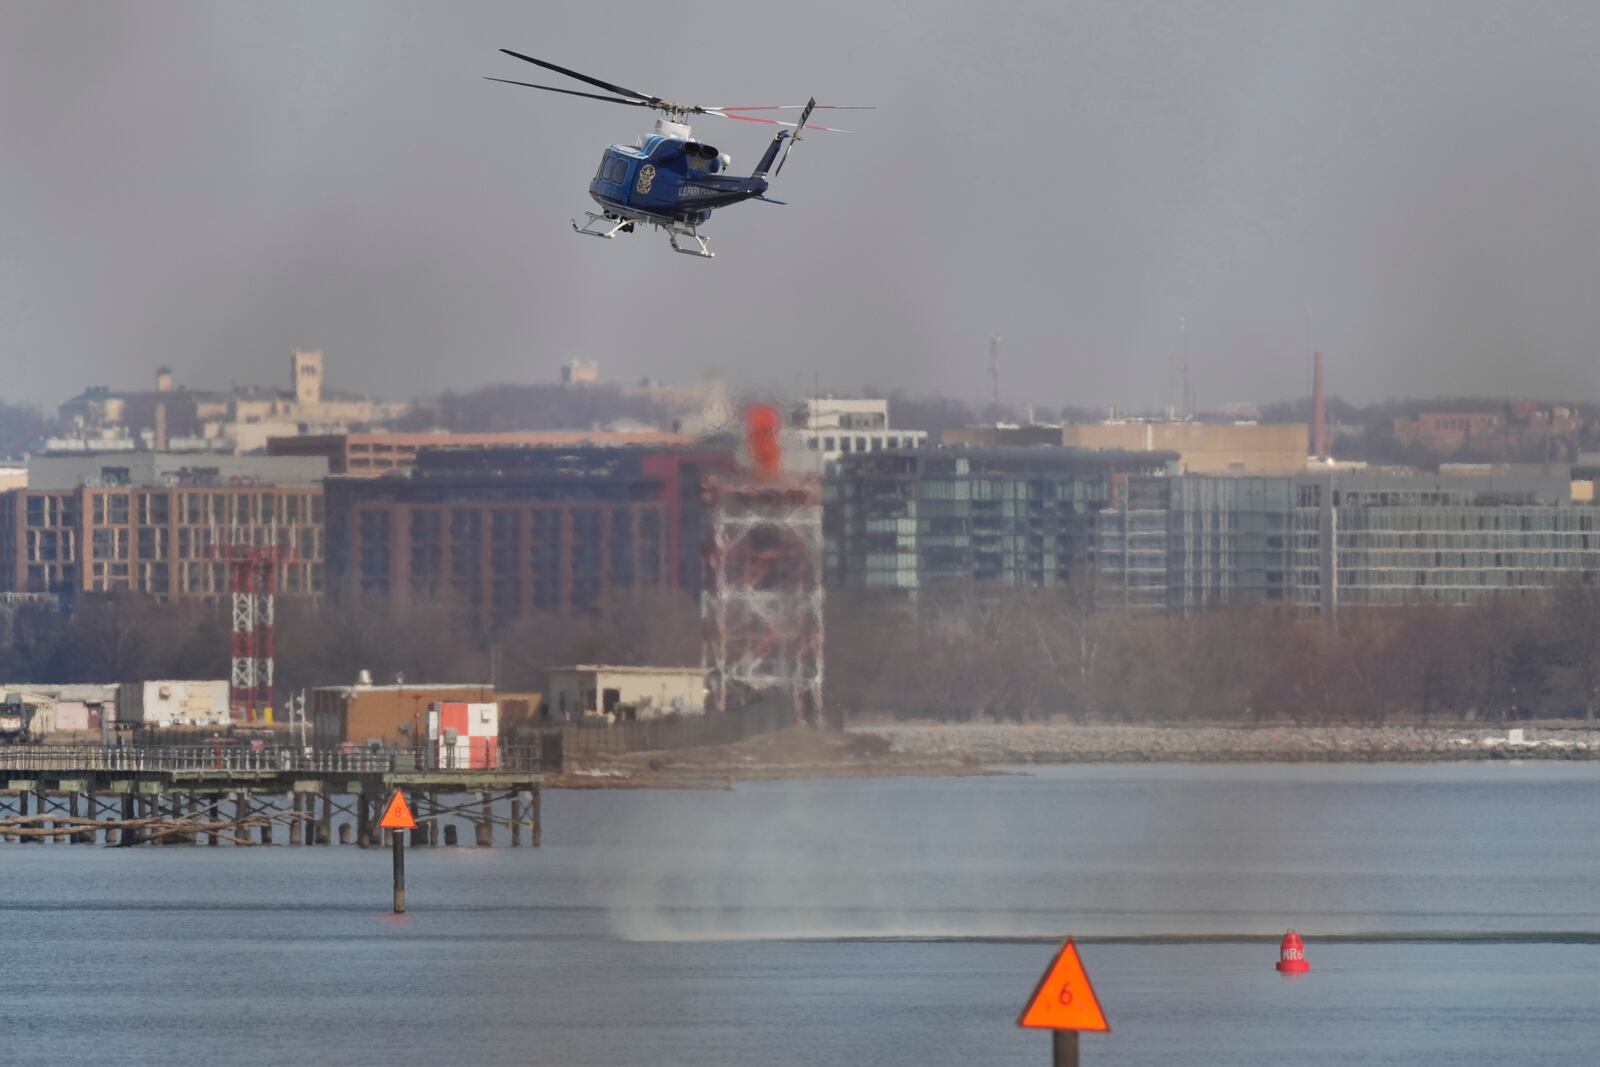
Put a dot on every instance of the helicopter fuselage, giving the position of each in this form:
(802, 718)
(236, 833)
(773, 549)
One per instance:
(669, 178)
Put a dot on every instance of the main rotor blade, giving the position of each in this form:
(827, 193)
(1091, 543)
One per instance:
(572, 92)
(798, 107)
(773, 122)
(583, 77)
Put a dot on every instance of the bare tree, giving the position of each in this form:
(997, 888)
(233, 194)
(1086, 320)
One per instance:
(1577, 633)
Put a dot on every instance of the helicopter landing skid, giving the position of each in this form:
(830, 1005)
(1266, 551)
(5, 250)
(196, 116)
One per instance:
(701, 249)
(606, 226)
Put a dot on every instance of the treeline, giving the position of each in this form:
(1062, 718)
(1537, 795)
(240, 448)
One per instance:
(132, 638)
(962, 654)
(1031, 654)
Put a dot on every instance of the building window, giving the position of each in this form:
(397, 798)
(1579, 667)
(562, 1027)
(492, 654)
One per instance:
(622, 547)
(545, 534)
(586, 557)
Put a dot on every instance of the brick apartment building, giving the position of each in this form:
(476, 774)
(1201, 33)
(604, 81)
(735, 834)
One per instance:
(152, 523)
(1518, 428)
(511, 531)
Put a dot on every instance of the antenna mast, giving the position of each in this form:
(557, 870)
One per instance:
(994, 367)
(1186, 398)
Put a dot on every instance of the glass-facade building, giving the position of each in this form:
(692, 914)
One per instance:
(1359, 538)
(910, 518)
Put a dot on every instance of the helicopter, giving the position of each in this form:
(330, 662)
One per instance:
(668, 179)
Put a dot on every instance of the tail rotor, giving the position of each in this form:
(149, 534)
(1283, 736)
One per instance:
(798, 127)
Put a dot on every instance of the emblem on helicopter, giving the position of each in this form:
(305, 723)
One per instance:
(680, 181)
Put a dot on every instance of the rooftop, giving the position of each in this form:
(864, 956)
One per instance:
(618, 669)
(403, 687)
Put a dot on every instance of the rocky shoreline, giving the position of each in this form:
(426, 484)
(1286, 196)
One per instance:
(998, 744)
(891, 749)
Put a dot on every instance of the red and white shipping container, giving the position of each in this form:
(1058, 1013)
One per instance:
(464, 736)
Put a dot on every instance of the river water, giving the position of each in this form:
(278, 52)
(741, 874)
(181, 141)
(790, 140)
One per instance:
(1451, 912)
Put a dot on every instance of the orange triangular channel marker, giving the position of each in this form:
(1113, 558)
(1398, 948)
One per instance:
(397, 816)
(1064, 999)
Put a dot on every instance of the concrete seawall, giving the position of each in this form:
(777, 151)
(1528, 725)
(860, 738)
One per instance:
(1000, 743)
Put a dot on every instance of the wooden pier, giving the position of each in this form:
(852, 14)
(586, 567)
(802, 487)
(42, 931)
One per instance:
(257, 796)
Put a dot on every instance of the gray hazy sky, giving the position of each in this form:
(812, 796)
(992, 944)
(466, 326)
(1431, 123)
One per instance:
(209, 184)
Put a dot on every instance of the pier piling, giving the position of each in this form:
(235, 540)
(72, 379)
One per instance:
(127, 796)
(485, 828)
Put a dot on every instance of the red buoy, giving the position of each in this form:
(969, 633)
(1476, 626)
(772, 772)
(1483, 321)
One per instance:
(1292, 955)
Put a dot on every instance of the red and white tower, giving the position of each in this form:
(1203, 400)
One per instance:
(243, 636)
(252, 585)
(761, 611)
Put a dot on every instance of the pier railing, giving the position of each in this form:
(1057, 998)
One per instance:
(541, 750)
(270, 759)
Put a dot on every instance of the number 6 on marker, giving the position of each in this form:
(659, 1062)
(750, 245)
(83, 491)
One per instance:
(1064, 999)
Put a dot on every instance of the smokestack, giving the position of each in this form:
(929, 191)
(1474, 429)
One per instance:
(159, 438)
(1319, 411)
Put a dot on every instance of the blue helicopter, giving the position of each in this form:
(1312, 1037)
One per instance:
(668, 179)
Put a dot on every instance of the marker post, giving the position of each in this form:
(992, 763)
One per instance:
(400, 878)
(397, 819)
(1064, 1046)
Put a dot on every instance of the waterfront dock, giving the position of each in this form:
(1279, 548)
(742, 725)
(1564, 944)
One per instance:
(251, 796)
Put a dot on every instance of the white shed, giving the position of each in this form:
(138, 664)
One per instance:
(174, 703)
(628, 692)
